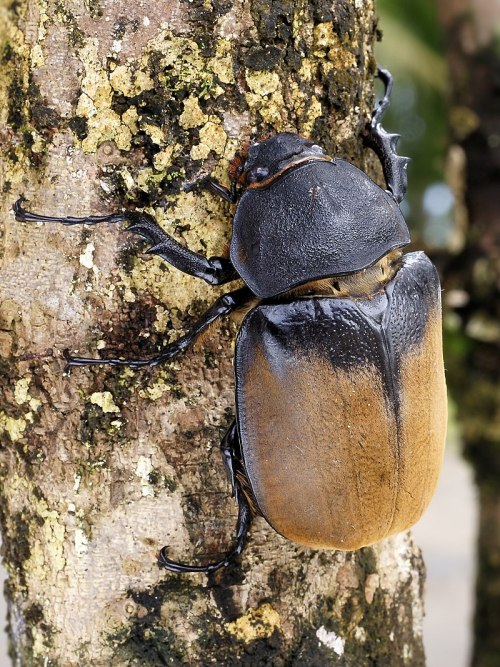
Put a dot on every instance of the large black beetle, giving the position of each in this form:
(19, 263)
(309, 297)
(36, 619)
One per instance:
(340, 392)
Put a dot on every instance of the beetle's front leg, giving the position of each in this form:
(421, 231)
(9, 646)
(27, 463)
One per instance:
(214, 270)
(223, 306)
(230, 195)
(384, 144)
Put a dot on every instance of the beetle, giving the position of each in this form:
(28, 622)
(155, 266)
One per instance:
(340, 391)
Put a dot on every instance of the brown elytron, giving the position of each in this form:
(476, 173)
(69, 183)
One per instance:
(342, 436)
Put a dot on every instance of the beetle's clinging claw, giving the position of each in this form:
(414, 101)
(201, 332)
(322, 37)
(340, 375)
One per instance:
(244, 521)
(386, 77)
(230, 195)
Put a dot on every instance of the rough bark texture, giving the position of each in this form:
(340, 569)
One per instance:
(472, 280)
(112, 104)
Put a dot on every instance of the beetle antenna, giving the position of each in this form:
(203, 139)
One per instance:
(245, 517)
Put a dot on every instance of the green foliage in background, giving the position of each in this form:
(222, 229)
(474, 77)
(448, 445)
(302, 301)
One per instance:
(411, 49)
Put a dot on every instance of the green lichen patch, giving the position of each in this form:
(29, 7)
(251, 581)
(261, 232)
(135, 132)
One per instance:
(13, 427)
(149, 90)
(94, 104)
(104, 399)
(174, 94)
(151, 106)
(38, 635)
(95, 8)
(30, 119)
(309, 60)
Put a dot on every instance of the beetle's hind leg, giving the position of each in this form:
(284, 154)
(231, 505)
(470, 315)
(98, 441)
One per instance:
(384, 144)
(230, 448)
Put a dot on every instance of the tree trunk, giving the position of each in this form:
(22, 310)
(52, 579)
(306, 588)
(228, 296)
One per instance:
(111, 105)
(472, 278)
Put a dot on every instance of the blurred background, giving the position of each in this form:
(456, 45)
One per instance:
(445, 58)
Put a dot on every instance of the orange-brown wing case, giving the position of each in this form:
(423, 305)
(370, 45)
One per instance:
(341, 409)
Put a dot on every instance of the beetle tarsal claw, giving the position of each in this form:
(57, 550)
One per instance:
(156, 249)
(245, 517)
(394, 140)
(175, 566)
(148, 230)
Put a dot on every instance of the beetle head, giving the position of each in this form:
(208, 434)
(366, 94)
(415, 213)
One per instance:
(269, 158)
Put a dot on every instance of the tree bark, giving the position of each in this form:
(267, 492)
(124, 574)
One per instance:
(472, 277)
(106, 105)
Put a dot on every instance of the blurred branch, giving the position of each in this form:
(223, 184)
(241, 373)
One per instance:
(406, 52)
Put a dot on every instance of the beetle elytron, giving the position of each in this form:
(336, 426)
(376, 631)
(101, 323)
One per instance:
(340, 390)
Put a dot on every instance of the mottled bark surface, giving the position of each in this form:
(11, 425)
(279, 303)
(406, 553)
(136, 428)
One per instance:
(472, 279)
(107, 105)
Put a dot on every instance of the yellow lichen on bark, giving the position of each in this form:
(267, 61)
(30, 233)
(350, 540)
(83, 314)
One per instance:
(14, 71)
(266, 97)
(104, 399)
(255, 624)
(37, 57)
(13, 427)
(179, 57)
(94, 104)
(330, 45)
(192, 115)
(213, 138)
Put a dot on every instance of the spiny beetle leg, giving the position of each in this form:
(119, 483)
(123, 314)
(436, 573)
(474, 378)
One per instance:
(231, 195)
(230, 447)
(214, 270)
(224, 305)
(384, 144)
(227, 447)
(228, 194)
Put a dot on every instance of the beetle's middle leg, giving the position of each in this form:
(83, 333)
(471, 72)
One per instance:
(384, 144)
(224, 305)
(214, 270)
(230, 448)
